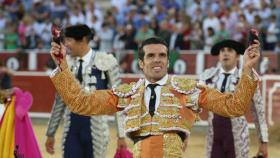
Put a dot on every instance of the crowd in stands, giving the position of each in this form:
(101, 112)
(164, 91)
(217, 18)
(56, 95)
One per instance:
(184, 24)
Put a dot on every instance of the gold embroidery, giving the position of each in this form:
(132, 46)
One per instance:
(80, 101)
(231, 104)
(172, 146)
(124, 88)
(183, 85)
(167, 116)
(137, 150)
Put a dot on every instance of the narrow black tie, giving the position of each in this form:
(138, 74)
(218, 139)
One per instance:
(153, 99)
(80, 71)
(224, 82)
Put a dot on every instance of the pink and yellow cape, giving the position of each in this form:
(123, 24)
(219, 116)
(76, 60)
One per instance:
(17, 139)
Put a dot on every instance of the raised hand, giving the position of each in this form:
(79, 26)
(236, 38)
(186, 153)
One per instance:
(58, 53)
(251, 56)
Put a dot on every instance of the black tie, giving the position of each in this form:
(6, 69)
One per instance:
(153, 99)
(80, 71)
(224, 82)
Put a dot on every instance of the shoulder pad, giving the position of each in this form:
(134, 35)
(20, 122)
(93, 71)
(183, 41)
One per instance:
(125, 90)
(104, 61)
(183, 85)
(208, 73)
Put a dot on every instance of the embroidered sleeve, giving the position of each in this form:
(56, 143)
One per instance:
(229, 104)
(259, 116)
(82, 102)
(56, 116)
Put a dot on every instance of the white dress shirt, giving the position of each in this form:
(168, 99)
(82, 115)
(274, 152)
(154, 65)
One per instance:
(222, 76)
(147, 93)
(86, 60)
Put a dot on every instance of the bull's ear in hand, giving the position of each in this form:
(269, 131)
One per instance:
(253, 35)
(56, 37)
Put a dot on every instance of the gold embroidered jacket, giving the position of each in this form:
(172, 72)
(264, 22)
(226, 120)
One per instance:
(176, 112)
(129, 97)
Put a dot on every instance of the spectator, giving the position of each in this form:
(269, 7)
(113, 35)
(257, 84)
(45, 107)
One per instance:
(222, 34)
(120, 18)
(46, 34)
(186, 32)
(172, 16)
(132, 15)
(265, 11)
(271, 34)
(23, 30)
(118, 44)
(196, 16)
(91, 10)
(230, 19)
(164, 32)
(141, 20)
(119, 4)
(196, 37)
(158, 11)
(239, 34)
(135, 12)
(168, 4)
(210, 21)
(143, 33)
(3, 21)
(154, 25)
(176, 40)
(11, 39)
(15, 10)
(249, 13)
(128, 38)
(94, 23)
(32, 40)
(193, 7)
(76, 15)
(111, 20)
(209, 39)
(57, 9)
(105, 37)
(40, 11)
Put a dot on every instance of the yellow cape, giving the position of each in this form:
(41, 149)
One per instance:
(7, 134)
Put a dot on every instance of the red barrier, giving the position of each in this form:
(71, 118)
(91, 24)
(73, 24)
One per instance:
(43, 92)
(189, 58)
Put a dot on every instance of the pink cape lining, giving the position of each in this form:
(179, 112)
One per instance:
(123, 153)
(25, 138)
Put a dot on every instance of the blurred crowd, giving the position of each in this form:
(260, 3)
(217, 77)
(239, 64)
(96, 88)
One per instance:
(184, 24)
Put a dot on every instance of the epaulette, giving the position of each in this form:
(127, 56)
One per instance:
(208, 73)
(104, 61)
(183, 85)
(126, 90)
